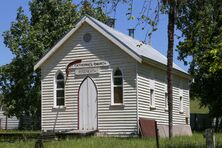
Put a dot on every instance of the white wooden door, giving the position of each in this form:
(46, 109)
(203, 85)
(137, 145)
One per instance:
(87, 105)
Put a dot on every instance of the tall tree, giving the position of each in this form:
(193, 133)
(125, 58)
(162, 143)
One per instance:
(29, 39)
(201, 24)
(170, 31)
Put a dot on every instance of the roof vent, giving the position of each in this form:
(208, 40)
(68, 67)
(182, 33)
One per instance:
(111, 22)
(87, 37)
(131, 32)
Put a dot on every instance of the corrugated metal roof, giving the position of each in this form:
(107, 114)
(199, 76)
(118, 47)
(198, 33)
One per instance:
(133, 47)
(137, 47)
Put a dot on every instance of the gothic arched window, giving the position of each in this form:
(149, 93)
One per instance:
(60, 91)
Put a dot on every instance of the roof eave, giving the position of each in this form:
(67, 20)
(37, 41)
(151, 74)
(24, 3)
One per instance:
(98, 28)
(113, 39)
(164, 67)
(58, 44)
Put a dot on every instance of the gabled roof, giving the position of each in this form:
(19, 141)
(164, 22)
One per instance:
(139, 51)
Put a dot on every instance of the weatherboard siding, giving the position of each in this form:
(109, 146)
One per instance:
(146, 74)
(111, 119)
(12, 122)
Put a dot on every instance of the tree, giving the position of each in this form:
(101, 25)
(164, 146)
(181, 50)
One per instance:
(201, 26)
(1, 98)
(172, 13)
(170, 31)
(29, 39)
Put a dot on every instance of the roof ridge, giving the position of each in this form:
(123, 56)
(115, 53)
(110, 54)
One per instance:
(127, 36)
(147, 46)
(135, 48)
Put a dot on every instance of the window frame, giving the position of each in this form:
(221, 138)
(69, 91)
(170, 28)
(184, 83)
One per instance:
(166, 98)
(113, 86)
(181, 101)
(55, 90)
(152, 95)
(181, 110)
(152, 99)
(166, 101)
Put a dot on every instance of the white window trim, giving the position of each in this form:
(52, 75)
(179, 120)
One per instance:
(181, 100)
(55, 89)
(166, 98)
(112, 88)
(166, 101)
(152, 99)
(181, 110)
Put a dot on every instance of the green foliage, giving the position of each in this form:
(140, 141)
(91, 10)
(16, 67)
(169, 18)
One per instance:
(29, 39)
(96, 12)
(201, 26)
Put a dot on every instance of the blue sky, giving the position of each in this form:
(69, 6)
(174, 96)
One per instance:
(8, 12)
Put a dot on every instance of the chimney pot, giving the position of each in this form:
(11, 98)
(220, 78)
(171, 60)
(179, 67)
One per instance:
(131, 32)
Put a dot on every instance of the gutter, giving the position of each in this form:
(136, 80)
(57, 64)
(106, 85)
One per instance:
(164, 67)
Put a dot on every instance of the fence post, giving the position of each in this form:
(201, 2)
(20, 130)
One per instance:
(157, 135)
(210, 138)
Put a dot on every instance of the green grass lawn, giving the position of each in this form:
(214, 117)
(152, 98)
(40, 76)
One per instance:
(195, 107)
(195, 141)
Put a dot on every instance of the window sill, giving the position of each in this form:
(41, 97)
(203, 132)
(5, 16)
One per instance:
(152, 107)
(58, 108)
(116, 106)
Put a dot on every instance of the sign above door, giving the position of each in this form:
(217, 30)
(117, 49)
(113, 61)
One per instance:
(91, 64)
(86, 71)
(85, 68)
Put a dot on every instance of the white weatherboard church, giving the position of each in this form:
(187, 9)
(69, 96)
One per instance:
(96, 78)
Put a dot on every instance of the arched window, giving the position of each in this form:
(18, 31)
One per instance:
(60, 89)
(118, 87)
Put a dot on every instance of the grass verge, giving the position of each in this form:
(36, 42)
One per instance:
(195, 141)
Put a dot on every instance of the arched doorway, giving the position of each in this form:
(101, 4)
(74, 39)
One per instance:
(87, 105)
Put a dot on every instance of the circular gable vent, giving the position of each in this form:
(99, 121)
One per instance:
(87, 37)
